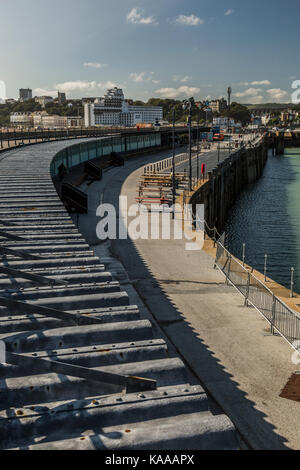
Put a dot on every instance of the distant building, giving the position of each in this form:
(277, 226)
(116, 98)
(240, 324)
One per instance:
(225, 123)
(21, 119)
(61, 98)
(10, 101)
(218, 106)
(114, 110)
(287, 116)
(25, 94)
(41, 119)
(45, 121)
(256, 121)
(43, 100)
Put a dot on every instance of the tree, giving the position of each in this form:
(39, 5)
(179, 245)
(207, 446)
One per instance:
(238, 112)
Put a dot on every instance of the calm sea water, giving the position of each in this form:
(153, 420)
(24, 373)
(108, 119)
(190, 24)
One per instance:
(266, 217)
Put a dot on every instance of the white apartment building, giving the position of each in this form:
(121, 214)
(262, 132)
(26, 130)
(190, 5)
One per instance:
(46, 121)
(41, 119)
(113, 110)
(21, 119)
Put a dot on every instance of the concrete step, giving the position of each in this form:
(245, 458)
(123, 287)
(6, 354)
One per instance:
(65, 271)
(61, 420)
(57, 247)
(40, 228)
(29, 323)
(69, 337)
(37, 293)
(97, 356)
(28, 237)
(86, 259)
(83, 301)
(44, 211)
(25, 219)
(197, 432)
(31, 389)
(99, 277)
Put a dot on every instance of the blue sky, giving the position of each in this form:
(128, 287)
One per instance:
(152, 48)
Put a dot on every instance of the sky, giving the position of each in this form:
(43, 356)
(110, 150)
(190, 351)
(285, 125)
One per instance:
(151, 48)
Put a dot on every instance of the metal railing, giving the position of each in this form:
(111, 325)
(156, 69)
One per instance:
(165, 164)
(13, 138)
(281, 318)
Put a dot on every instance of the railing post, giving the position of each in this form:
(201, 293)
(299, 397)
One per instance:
(292, 281)
(265, 269)
(244, 253)
(248, 289)
(229, 267)
(273, 315)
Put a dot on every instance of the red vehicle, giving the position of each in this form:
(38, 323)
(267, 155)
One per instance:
(219, 137)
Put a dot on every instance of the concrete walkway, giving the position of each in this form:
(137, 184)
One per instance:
(228, 346)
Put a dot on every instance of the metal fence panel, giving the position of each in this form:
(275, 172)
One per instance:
(279, 315)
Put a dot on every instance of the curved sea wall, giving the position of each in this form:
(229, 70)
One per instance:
(226, 182)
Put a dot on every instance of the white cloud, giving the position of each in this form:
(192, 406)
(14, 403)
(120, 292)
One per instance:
(256, 83)
(252, 95)
(249, 92)
(256, 99)
(94, 65)
(135, 16)
(185, 79)
(278, 94)
(183, 91)
(109, 84)
(78, 85)
(191, 20)
(230, 11)
(43, 92)
(138, 77)
(83, 86)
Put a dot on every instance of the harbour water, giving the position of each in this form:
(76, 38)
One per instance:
(266, 217)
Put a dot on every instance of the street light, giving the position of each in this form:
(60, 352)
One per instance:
(187, 104)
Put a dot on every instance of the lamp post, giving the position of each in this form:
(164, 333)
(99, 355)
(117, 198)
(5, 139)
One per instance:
(187, 104)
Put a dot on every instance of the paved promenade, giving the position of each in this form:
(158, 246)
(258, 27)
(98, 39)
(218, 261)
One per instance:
(228, 346)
